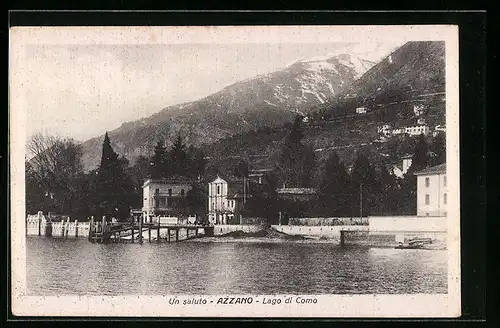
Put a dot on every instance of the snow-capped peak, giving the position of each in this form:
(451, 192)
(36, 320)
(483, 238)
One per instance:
(331, 60)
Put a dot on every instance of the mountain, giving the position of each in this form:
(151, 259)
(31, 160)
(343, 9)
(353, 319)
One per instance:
(266, 100)
(412, 72)
(327, 89)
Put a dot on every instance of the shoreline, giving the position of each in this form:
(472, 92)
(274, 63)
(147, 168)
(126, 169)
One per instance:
(334, 242)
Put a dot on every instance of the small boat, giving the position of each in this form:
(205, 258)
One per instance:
(410, 246)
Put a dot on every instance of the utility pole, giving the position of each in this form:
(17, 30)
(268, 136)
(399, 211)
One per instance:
(361, 201)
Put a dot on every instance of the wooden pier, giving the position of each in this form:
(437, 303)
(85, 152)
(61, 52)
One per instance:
(104, 232)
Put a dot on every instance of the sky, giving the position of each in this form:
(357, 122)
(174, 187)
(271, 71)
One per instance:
(82, 90)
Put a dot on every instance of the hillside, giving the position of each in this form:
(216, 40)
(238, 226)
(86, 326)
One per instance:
(413, 75)
(266, 100)
(415, 72)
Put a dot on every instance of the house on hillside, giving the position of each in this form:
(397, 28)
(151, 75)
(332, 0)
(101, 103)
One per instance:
(384, 129)
(398, 131)
(419, 109)
(421, 121)
(361, 110)
(438, 129)
(258, 175)
(226, 199)
(400, 169)
(165, 197)
(417, 130)
(432, 191)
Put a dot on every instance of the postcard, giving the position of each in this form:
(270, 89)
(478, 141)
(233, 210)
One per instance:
(235, 171)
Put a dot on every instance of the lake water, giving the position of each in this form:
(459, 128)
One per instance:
(78, 267)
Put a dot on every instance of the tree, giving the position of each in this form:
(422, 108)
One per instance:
(197, 200)
(364, 184)
(53, 171)
(408, 186)
(197, 162)
(438, 149)
(420, 158)
(241, 169)
(296, 160)
(158, 166)
(138, 173)
(333, 186)
(178, 160)
(389, 193)
(114, 188)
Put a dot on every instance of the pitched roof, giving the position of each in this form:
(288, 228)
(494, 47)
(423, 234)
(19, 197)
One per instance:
(296, 191)
(172, 180)
(441, 168)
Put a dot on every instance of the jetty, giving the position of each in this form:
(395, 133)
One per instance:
(105, 232)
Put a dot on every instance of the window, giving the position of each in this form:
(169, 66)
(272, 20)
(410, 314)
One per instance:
(170, 192)
(218, 190)
(157, 190)
(182, 192)
(444, 180)
(157, 202)
(427, 182)
(445, 198)
(427, 200)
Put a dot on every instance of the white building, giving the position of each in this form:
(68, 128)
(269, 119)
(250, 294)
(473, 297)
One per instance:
(419, 109)
(165, 197)
(438, 129)
(421, 121)
(384, 129)
(417, 130)
(400, 169)
(361, 110)
(225, 200)
(398, 131)
(432, 191)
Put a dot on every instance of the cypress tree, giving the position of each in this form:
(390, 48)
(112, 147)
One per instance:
(114, 186)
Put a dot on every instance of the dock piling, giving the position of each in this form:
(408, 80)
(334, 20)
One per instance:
(39, 224)
(140, 231)
(91, 228)
(67, 228)
(158, 234)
